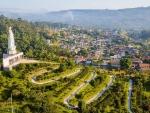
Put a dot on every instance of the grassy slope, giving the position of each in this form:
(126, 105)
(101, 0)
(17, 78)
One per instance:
(40, 70)
(72, 88)
(89, 91)
(60, 74)
(126, 89)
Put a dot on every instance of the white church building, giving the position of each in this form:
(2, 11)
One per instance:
(12, 57)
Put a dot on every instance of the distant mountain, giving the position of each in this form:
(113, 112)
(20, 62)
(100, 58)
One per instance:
(137, 18)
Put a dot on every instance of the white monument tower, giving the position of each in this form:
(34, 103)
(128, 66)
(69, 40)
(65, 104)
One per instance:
(12, 58)
(11, 43)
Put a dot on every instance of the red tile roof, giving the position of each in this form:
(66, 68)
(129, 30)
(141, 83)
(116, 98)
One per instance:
(144, 65)
(62, 57)
(80, 59)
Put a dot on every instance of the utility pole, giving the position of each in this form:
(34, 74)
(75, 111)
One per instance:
(11, 104)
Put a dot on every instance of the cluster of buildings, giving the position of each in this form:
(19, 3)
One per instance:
(102, 51)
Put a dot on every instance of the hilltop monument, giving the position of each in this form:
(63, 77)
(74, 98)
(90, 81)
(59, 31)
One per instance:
(11, 43)
(12, 58)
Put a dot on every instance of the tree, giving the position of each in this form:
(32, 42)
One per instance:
(125, 63)
(26, 110)
(93, 83)
(100, 62)
(98, 111)
(62, 67)
(15, 92)
(83, 52)
(22, 67)
(82, 106)
(49, 106)
(14, 73)
(62, 34)
(74, 112)
(71, 63)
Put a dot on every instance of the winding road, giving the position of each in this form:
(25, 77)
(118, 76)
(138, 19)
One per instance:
(66, 101)
(129, 96)
(34, 77)
(91, 100)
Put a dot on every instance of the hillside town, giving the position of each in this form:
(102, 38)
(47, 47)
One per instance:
(103, 49)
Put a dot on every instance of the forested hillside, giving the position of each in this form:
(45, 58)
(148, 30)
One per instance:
(137, 18)
(29, 38)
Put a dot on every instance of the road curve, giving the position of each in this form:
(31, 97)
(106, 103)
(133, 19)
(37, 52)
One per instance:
(34, 77)
(89, 101)
(129, 96)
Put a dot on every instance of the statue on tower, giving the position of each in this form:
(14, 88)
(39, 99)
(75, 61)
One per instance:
(11, 42)
(12, 57)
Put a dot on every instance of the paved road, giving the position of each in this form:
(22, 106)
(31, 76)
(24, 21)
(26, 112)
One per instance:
(89, 101)
(68, 98)
(129, 96)
(34, 77)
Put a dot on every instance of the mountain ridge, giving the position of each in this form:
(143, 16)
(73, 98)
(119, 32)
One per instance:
(138, 18)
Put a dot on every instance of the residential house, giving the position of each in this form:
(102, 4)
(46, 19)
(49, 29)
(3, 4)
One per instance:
(79, 59)
(115, 62)
(136, 61)
(143, 67)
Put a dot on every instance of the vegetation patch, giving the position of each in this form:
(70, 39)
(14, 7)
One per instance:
(93, 88)
(53, 74)
(114, 99)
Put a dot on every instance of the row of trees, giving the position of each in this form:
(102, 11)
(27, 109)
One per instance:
(140, 100)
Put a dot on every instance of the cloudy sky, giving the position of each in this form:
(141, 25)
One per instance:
(57, 5)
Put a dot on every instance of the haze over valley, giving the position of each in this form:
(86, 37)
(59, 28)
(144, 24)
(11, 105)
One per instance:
(129, 18)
